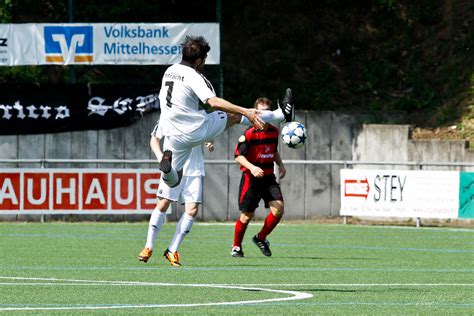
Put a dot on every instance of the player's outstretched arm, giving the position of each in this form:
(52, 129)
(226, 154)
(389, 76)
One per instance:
(220, 104)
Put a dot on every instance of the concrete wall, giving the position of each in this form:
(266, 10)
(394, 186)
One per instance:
(309, 190)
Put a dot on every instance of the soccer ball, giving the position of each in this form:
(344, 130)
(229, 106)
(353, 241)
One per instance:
(293, 134)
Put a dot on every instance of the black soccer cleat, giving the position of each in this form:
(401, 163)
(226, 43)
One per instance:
(237, 252)
(263, 245)
(287, 106)
(165, 163)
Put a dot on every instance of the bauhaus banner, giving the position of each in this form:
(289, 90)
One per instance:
(102, 43)
(78, 191)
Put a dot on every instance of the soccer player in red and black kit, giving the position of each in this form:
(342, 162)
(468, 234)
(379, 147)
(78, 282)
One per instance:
(256, 153)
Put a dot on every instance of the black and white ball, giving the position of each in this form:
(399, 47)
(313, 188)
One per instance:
(293, 134)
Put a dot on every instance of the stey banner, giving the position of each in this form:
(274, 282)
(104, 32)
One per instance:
(404, 193)
(78, 191)
(102, 43)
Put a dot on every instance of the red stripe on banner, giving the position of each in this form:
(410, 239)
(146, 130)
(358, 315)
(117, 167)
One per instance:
(36, 188)
(10, 191)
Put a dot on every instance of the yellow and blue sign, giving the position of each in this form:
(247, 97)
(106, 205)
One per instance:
(67, 44)
(102, 43)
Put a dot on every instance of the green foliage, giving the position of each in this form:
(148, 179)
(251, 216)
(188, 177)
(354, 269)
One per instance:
(5, 11)
(321, 90)
(389, 4)
(383, 55)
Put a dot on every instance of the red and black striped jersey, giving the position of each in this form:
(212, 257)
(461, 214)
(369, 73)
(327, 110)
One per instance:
(259, 147)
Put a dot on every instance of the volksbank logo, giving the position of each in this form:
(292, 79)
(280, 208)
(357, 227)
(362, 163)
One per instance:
(67, 44)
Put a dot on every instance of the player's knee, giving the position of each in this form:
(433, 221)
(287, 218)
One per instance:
(192, 212)
(278, 213)
(278, 209)
(162, 205)
(246, 217)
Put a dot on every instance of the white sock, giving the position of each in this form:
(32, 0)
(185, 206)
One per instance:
(267, 116)
(157, 220)
(171, 178)
(182, 229)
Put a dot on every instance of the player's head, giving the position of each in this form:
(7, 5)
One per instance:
(195, 49)
(263, 104)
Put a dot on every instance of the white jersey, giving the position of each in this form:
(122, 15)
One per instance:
(181, 90)
(194, 165)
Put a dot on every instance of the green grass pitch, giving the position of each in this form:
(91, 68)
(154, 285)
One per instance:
(92, 268)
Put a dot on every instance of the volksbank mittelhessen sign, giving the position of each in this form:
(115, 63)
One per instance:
(101, 43)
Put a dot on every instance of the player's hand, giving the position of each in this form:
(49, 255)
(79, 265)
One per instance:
(254, 118)
(282, 171)
(257, 172)
(209, 145)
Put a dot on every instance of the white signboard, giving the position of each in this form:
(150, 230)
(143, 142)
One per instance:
(397, 193)
(102, 43)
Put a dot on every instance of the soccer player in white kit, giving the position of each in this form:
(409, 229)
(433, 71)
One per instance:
(184, 125)
(188, 192)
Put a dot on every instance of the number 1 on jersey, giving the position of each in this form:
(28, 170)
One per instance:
(169, 84)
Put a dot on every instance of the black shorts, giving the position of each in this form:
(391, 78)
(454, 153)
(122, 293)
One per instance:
(252, 190)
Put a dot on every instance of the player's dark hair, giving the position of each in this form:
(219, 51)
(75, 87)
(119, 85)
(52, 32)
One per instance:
(264, 101)
(194, 47)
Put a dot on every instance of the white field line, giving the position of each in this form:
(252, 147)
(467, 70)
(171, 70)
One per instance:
(239, 285)
(138, 283)
(294, 294)
(364, 284)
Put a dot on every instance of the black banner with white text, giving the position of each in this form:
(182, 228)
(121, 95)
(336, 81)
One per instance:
(35, 109)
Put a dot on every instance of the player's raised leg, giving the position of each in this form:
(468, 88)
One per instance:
(287, 106)
(284, 113)
(169, 175)
(173, 159)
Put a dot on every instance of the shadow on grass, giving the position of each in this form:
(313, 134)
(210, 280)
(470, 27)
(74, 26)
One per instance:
(327, 258)
(331, 290)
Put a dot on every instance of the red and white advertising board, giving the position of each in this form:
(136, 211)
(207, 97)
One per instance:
(400, 193)
(78, 191)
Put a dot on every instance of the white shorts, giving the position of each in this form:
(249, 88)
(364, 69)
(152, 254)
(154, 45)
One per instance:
(189, 190)
(181, 145)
